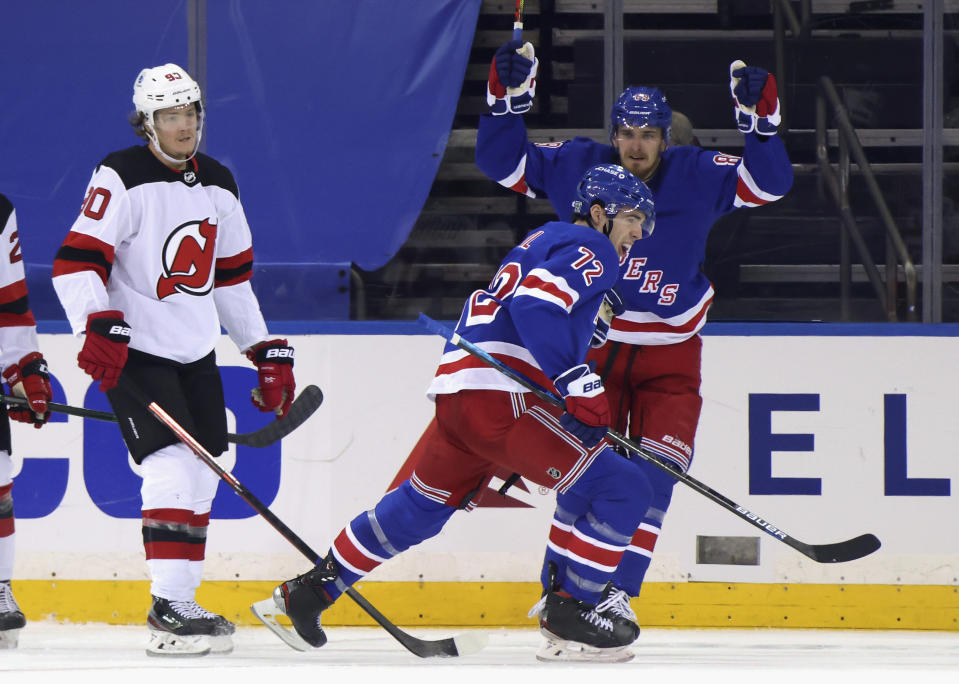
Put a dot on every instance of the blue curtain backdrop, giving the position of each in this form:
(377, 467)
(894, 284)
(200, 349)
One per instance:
(332, 115)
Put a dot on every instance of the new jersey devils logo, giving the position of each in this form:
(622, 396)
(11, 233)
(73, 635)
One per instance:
(187, 260)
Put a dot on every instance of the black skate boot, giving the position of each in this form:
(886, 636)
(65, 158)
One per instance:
(184, 628)
(576, 630)
(552, 585)
(303, 600)
(615, 605)
(11, 617)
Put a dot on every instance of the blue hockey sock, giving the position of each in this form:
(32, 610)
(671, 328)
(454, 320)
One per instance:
(401, 519)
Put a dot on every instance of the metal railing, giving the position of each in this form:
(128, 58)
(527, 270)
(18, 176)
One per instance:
(785, 17)
(837, 182)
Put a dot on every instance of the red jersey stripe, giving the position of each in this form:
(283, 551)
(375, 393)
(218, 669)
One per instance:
(532, 282)
(746, 195)
(237, 260)
(13, 292)
(469, 361)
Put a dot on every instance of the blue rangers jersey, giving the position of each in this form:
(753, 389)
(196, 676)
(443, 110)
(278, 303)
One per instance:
(538, 314)
(665, 293)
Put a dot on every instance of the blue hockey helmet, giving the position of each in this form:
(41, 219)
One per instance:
(616, 189)
(641, 106)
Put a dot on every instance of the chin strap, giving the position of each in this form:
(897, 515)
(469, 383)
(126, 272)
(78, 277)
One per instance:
(607, 227)
(159, 149)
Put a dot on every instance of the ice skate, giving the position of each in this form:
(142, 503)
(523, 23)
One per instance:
(184, 628)
(303, 600)
(11, 618)
(578, 631)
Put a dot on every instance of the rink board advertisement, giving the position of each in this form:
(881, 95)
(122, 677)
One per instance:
(825, 437)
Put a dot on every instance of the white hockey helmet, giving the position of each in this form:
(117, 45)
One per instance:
(162, 87)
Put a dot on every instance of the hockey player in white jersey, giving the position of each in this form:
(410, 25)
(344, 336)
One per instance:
(158, 259)
(25, 372)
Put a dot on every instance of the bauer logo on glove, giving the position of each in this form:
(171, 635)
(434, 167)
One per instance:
(274, 371)
(104, 352)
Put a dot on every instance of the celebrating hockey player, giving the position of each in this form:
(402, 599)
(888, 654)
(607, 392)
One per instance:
(651, 364)
(159, 257)
(537, 316)
(25, 372)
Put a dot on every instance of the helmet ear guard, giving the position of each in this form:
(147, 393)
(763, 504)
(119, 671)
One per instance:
(641, 106)
(616, 189)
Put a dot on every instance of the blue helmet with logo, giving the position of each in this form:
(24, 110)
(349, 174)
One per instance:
(641, 106)
(617, 189)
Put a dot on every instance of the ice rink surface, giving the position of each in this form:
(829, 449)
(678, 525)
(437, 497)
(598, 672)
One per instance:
(95, 653)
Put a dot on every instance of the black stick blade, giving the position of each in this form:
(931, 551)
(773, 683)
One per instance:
(841, 552)
(302, 408)
(452, 647)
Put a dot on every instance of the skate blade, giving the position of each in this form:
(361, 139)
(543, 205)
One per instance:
(221, 645)
(266, 612)
(169, 645)
(557, 650)
(9, 638)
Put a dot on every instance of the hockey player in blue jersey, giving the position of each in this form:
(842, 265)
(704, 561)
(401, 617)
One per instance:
(651, 364)
(538, 316)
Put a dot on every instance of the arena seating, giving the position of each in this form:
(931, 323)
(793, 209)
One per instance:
(776, 263)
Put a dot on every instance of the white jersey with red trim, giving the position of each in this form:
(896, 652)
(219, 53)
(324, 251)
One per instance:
(538, 314)
(18, 329)
(665, 292)
(169, 249)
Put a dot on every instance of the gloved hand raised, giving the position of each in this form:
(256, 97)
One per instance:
(756, 98)
(274, 370)
(104, 352)
(587, 410)
(30, 379)
(611, 307)
(512, 79)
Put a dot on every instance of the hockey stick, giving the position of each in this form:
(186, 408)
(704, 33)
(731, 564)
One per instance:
(302, 408)
(839, 552)
(518, 21)
(454, 646)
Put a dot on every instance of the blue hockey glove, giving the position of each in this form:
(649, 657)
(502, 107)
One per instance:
(611, 307)
(587, 410)
(512, 79)
(756, 98)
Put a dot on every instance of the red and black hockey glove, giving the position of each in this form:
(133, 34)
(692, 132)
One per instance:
(30, 379)
(104, 352)
(587, 409)
(274, 370)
